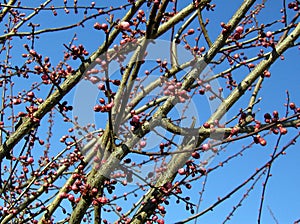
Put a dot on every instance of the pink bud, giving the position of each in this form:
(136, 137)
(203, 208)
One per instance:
(208, 87)
(74, 188)
(239, 29)
(16, 101)
(30, 160)
(103, 64)
(204, 162)
(30, 94)
(71, 197)
(181, 171)
(33, 52)
(135, 118)
(94, 79)
(97, 26)
(94, 190)
(110, 105)
(171, 88)
(63, 195)
(104, 26)
(101, 86)
(119, 208)
(181, 99)
(122, 42)
(143, 144)
(124, 25)
(269, 34)
(205, 147)
(190, 31)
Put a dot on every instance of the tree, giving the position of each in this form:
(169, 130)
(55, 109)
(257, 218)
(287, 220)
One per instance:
(126, 132)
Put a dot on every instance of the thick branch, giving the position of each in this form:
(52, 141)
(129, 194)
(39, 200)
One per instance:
(177, 161)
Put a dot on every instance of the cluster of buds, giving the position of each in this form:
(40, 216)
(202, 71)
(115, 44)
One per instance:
(226, 27)
(191, 169)
(32, 52)
(75, 157)
(80, 186)
(167, 188)
(198, 50)
(53, 10)
(267, 74)
(105, 108)
(275, 118)
(29, 97)
(294, 5)
(77, 52)
(64, 108)
(135, 121)
(173, 88)
(269, 119)
(70, 197)
(102, 26)
(162, 64)
(266, 39)
(259, 140)
(26, 160)
(31, 110)
(207, 88)
(141, 15)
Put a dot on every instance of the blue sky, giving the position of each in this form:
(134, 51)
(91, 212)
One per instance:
(282, 196)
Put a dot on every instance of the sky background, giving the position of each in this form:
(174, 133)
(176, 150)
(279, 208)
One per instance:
(282, 196)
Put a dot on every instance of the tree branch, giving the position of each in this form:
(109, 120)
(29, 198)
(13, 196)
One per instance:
(6, 9)
(67, 85)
